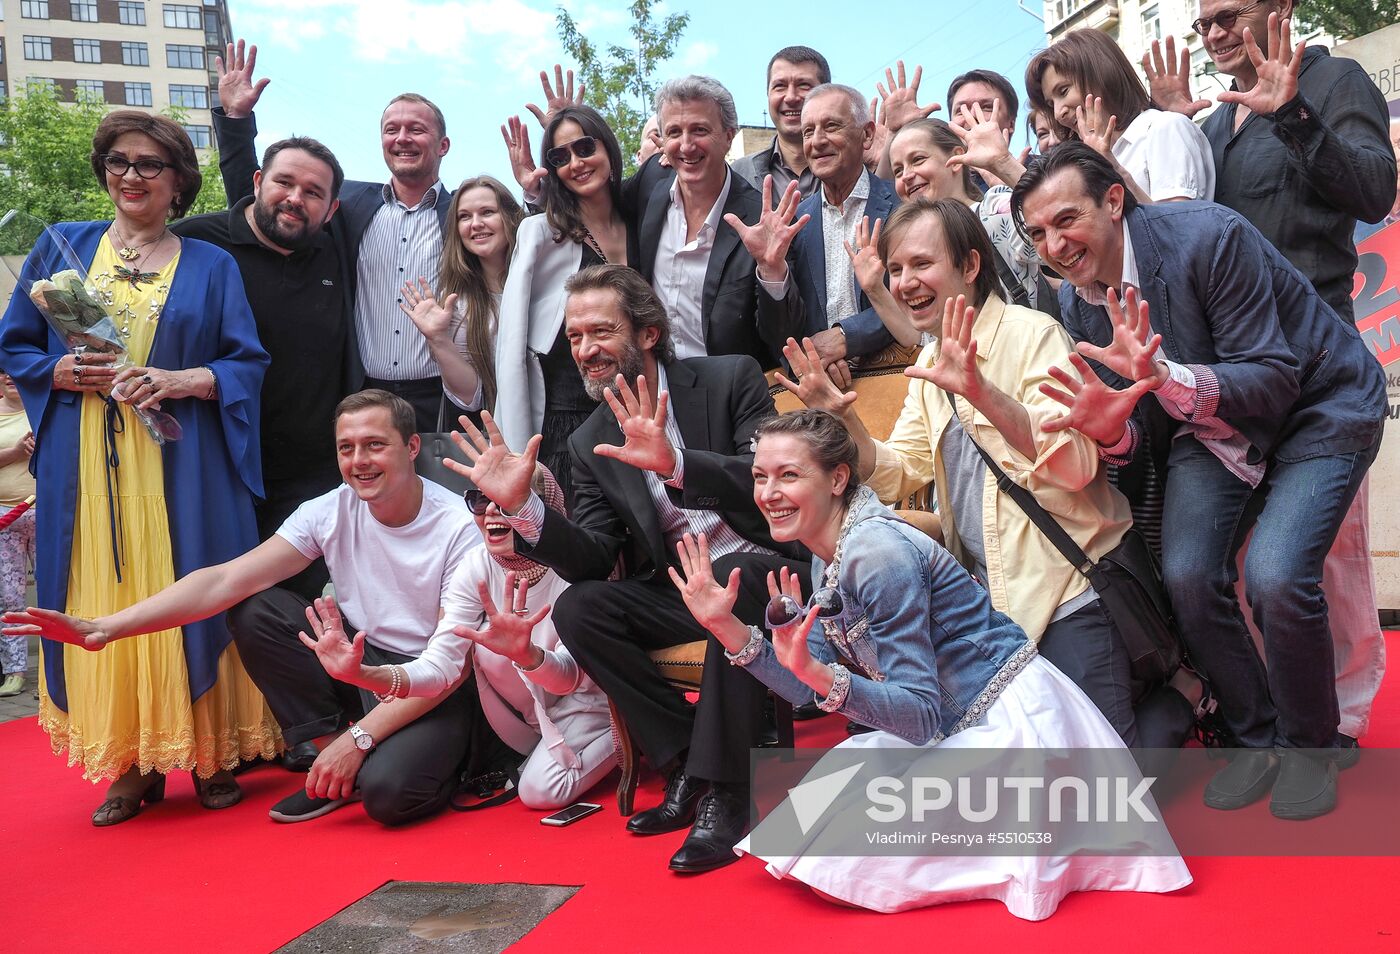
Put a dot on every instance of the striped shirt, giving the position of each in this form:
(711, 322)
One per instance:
(675, 521)
(401, 244)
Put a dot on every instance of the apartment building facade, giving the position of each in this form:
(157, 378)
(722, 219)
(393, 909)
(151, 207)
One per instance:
(143, 54)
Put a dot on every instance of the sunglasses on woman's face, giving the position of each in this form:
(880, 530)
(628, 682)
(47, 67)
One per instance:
(783, 610)
(1225, 18)
(583, 147)
(477, 502)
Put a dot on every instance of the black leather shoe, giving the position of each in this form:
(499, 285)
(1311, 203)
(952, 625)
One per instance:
(677, 808)
(1348, 752)
(300, 757)
(721, 822)
(806, 712)
(1306, 786)
(1247, 778)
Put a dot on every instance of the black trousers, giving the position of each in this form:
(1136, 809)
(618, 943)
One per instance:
(1087, 647)
(284, 495)
(609, 627)
(411, 774)
(425, 394)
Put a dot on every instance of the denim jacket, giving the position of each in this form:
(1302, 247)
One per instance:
(930, 653)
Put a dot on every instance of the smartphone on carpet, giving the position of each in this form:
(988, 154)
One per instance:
(567, 816)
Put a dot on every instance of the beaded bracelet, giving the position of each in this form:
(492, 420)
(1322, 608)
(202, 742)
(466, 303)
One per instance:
(750, 650)
(840, 689)
(396, 676)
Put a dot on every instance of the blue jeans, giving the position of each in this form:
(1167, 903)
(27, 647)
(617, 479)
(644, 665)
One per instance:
(1295, 512)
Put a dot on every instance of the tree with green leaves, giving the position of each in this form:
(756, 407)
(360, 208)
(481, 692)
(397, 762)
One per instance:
(45, 169)
(617, 80)
(1348, 19)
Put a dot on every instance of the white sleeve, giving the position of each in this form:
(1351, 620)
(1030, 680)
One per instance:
(442, 660)
(1179, 160)
(310, 525)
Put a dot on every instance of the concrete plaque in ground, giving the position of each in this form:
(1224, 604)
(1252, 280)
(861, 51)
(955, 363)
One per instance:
(415, 917)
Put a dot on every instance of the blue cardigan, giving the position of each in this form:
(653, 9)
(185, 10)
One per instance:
(211, 474)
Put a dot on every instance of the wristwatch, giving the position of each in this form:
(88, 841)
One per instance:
(363, 740)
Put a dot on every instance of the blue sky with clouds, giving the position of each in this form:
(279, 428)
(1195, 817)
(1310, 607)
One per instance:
(335, 63)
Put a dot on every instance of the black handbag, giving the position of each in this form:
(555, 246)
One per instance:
(437, 445)
(1128, 580)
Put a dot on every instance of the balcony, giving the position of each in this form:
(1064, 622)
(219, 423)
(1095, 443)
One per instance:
(1062, 16)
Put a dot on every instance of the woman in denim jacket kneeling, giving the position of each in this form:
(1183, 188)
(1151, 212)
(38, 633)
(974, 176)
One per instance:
(909, 644)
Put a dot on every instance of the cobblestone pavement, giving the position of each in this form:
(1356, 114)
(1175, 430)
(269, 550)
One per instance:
(27, 702)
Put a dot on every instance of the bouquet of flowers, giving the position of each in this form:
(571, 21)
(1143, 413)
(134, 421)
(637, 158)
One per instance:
(58, 285)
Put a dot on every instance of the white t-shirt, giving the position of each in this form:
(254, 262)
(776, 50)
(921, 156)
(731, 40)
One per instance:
(389, 581)
(1168, 155)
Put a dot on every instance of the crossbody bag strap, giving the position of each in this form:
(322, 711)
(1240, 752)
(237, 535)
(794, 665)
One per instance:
(1038, 515)
(1014, 289)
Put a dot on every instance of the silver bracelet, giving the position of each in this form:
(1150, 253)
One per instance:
(840, 689)
(396, 676)
(750, 651)
(213, 391)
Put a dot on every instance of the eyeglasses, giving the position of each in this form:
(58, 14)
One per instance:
(583, 147)
(145, 168)
(783, 610)
(1225, 18)
(477, 502)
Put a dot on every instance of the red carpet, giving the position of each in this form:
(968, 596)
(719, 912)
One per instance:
(182, 879)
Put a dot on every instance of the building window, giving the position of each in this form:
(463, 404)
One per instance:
(35, 83)
(34, 9)
(1151, 24)
(189, 97)
(87, 51)
(38, 48)
(131, 12)
(83, 11)
(200, 136)
(182, 57)
(134, 53)
(138, 94)
(183, 17)
(90, 89)
(4, 93)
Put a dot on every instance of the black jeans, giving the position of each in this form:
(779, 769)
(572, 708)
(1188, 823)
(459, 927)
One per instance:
(1087, 647)
(425, 394)
(610, 626)
(411, 774)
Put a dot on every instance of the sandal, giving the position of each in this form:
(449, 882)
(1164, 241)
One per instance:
(216, 792)
(120, 808)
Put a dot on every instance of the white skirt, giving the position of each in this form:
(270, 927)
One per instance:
(1041, 708)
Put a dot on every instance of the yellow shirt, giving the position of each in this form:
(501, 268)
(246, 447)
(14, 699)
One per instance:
(16, 482)
(1027, 577)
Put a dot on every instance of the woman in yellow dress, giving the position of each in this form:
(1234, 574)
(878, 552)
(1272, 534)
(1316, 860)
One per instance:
(123, 516)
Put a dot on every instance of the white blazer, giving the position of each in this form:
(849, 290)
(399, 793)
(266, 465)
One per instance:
(532, 311)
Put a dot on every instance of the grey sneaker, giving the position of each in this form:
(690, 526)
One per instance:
(300, 807)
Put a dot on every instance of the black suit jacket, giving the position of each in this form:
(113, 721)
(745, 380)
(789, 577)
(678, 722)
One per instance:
(729, 306)
(359, 201)
(718, 403)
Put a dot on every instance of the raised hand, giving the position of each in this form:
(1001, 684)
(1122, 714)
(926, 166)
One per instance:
(879, 139)
(339, 655)
(645, 444)
(508, 631)
(899, 101)
(790, 641)
(1276, 70)
(497, 471)
(1169, 78)
(986, 145)
(712, 605)
(1133, 350)
(434, 321)
(769, 240)
(558, 96)
(51, 624)
(955, 370)
(238, 93)
(865, 255)
(1093, 408)
(1098, 129)
(522, 160)
(814, 386)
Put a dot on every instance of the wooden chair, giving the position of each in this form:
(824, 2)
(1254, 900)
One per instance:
(682, 667)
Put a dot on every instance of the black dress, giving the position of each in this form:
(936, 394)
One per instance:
(566, 403)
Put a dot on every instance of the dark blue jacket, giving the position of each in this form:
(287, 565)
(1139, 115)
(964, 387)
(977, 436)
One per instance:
(1293, 377)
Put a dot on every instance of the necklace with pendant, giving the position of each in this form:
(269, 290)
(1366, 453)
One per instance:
(130, 253)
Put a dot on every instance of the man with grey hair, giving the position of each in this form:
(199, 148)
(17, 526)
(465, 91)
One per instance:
(809, 280)
(694, 261)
